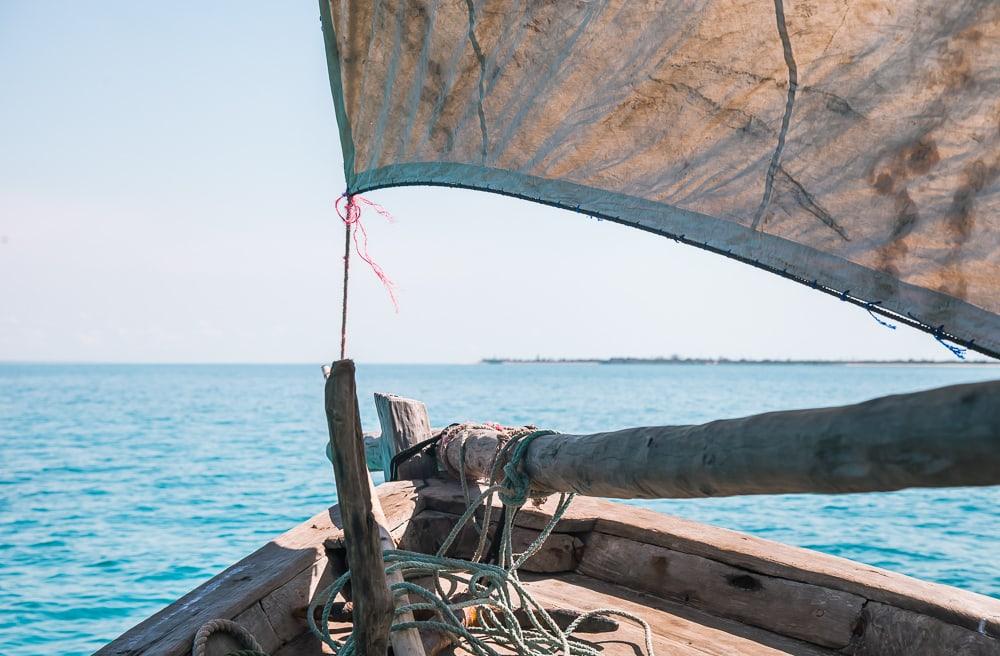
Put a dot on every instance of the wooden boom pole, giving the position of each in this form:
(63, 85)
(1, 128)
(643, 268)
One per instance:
(946, 437)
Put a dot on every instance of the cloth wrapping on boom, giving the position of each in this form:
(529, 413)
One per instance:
(852, 146)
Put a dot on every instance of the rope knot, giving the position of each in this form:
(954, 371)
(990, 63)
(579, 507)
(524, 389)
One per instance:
(349, 211)
(516, 486)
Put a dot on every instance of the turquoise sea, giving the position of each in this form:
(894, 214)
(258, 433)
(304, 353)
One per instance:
(124, 486)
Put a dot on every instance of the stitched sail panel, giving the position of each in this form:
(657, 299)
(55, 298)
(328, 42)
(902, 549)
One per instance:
(851, 145)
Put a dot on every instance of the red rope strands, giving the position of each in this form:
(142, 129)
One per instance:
(351, 216)
(349, 212)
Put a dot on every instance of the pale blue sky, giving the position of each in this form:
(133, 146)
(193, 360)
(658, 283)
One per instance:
(167, 173)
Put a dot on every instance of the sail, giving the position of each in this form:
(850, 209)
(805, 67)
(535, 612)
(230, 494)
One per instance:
(851, 146)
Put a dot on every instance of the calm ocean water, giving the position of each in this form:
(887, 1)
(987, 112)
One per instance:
(123, 487)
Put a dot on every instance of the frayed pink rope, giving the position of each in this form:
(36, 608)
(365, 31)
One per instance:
(351, 216)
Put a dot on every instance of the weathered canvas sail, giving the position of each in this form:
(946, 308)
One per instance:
(852, 146)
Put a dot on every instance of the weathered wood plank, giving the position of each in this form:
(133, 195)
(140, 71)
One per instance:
(799, 610)
(170, 631)
(949, 604)
(888, 631)
(405, 642)
(306, 644)
(946, 603)
(255, 620)
(283, 606)
(559, 553)
(679, 629)
(426, 532)
(373, 452)
(447, 496)
(286, 606)
(481, 447)
(373, 603)
(404, 423)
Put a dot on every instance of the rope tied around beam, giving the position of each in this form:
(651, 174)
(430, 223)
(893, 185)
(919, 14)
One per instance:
(483, 616)
(516, 486)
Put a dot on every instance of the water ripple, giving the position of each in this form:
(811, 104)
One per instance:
(123, 487)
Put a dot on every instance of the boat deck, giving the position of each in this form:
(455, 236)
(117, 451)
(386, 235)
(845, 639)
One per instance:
(677, 630)
(704, 590)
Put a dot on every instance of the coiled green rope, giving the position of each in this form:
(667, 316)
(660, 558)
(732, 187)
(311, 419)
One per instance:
(494, 590)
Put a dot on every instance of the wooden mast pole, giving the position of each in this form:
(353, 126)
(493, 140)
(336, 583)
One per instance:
(946, 437)
(366, 531)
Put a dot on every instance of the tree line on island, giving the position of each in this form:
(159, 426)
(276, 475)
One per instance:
(676, 359)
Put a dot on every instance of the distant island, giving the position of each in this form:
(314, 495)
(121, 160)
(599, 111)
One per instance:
(674, 359)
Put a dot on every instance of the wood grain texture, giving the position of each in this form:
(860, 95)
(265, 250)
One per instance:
(447, 496)
(889, 631)
(282, 606)
(902, 616)
(481, 446)
(678, 629)
(799, 610)
(405, 642)
(404, 423)
(256, 621)
(372, 599)
(373, 452)
(170, 631)
(426, 532)
(306, 644)
(943, 437)
(948, 604)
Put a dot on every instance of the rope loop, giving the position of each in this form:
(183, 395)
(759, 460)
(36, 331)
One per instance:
(250, 645)
(869, 306)
(957, 351)
(516, 486)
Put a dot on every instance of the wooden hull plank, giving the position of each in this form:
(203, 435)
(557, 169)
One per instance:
(170, 631)
(674, 624)
(255, 620)
(447, 497)
(963, 608)
(560, 553)
(799, 610)
(889, 631)
(885, 614)
(952, 605)
(282, 606)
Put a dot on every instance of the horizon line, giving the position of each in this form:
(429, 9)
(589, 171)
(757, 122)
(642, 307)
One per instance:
(493, 361)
